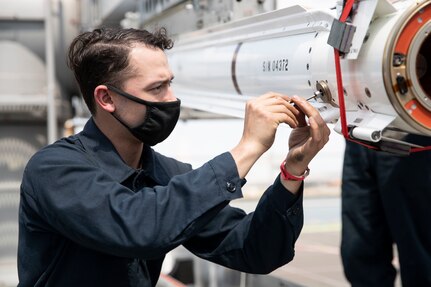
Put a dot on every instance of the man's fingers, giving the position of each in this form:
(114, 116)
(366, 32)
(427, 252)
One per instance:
(280, 104)
(319, 130)
(316, 134)
(308, 110)
(305, 106)
(319, 133)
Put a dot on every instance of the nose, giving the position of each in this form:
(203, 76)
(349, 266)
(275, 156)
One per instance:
(169, 96)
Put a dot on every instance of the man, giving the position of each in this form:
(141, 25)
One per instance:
(385, 200)
(102, 208)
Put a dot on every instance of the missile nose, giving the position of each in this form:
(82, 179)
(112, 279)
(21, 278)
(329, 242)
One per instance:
(409, 81)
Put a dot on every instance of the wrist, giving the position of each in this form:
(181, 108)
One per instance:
(288, 173)
(245, 155)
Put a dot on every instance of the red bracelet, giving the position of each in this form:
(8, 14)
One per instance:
(287, 176)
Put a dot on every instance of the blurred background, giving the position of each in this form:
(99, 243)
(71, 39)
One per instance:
(39, 103)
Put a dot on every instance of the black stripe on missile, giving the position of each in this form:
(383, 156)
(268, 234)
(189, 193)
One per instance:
(233, 69)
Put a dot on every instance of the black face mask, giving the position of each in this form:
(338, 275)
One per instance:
(160, 119)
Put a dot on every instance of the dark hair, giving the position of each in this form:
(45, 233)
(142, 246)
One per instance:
(102, 57)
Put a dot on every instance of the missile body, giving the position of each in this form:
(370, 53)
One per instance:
(386, 77)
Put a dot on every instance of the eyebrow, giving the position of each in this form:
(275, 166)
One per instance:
(158, 83)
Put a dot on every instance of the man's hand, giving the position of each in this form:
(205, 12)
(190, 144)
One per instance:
(305, 141)
(262, 117)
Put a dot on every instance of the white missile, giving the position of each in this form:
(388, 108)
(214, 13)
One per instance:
(386, 70)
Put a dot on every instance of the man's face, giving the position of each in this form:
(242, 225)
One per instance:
(151, 82)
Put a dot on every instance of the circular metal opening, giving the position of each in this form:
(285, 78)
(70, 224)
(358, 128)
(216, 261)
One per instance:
(419, 66)
(423, 66)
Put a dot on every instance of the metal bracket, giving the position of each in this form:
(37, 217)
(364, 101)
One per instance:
(341, 35)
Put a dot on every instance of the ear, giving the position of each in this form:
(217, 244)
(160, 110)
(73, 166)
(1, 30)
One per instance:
(103, 99)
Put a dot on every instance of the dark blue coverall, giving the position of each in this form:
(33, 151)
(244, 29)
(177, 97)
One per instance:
(386, 199)
(88, 219)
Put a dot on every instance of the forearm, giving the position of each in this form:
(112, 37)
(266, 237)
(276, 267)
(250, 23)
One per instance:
(258, 242)
(245, 155)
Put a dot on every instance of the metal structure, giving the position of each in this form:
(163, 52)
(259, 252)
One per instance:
(33, 102)
(386, 74)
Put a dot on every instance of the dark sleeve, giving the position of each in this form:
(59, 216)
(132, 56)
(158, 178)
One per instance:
(81, 202)
(255, 243)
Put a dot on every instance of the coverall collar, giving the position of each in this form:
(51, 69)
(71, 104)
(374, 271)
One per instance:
(103, 152)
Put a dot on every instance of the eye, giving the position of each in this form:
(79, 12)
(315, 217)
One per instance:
(158, 88)
(162, 86)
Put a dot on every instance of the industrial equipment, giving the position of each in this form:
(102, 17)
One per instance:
(385, 66)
